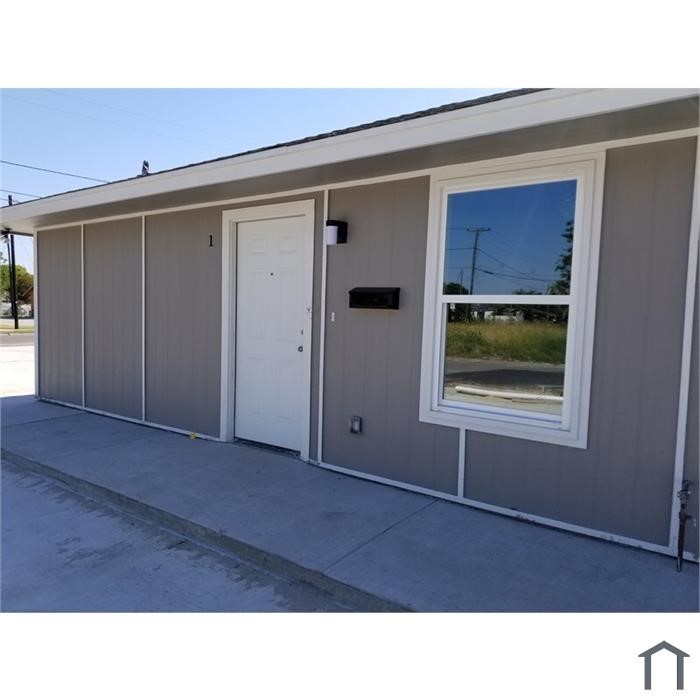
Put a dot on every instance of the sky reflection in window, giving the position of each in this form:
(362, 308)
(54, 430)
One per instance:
(510, 240)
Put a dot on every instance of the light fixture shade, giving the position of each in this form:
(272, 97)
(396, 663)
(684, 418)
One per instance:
(331, 235)
(336, 232)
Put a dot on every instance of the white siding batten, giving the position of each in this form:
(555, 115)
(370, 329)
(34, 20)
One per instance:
(82, 309)
(461, 466)
(35, 247)
(322, 334)
(687, 351)
(143, 318)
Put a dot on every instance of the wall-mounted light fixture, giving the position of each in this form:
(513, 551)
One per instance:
(336, 232)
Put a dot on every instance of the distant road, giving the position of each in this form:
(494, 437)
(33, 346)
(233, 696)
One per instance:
(501, 373)
(16, 338)
(8, 323)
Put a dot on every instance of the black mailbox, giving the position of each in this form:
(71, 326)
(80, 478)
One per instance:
(374, 298)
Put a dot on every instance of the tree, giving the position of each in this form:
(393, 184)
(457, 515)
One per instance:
(455, 288)
(563, 266)
(536, 312)
(459, 312)
(25, 284)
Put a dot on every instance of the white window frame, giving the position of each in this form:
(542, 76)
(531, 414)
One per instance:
(572, 428)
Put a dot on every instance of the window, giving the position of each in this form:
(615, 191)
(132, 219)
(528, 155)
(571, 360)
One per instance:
(510, 298)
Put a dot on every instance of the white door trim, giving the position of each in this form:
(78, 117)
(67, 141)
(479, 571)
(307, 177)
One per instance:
(230, 220)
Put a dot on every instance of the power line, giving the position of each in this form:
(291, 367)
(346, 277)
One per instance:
(22, 194)
(504, 248)
(510, 267)
(55, 172)
(27, 248)
(11, 200)
(135, 114)
(501, 274)
(493, 241)
(520, 274)
(109, 121)
(515, 277)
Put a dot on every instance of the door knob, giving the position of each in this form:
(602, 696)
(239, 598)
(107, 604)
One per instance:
(300, 348)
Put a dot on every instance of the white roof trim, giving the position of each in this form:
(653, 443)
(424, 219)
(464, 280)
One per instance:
(491, 117)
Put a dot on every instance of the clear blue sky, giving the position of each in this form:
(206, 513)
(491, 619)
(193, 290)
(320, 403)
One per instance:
(107, 133)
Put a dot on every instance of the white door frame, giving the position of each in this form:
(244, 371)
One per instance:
(230, 220)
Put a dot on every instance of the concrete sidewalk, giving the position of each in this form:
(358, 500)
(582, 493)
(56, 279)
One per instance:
(16, 364)
(379, 547)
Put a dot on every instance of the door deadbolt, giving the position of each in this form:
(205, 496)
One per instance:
(300, 348)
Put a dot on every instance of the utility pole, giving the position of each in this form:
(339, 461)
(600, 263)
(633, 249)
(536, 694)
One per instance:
(477, 231)
(11, 268)
(12, 274)
(13, 282)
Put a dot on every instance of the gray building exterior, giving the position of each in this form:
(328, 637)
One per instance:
(137, 300)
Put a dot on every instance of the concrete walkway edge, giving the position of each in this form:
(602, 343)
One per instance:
(218, 541)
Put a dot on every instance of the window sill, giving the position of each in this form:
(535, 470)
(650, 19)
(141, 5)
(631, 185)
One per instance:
(507, 426)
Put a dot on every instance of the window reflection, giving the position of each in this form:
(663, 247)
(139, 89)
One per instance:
(510, 240)
(506, 356)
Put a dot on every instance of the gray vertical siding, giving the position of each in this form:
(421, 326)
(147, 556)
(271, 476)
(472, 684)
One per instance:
(372, 357)
(623, 482)
(113, 317)
(183, 316)
(692, 446)
(59, 301)
(183, 320)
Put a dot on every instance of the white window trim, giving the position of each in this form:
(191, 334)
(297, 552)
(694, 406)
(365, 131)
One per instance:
(572, 430)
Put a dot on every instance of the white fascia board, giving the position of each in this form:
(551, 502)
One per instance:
(492, 117)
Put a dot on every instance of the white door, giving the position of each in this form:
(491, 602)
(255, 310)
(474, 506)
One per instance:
(271, 347)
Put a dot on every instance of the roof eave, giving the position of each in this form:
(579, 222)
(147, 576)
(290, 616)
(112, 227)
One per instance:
(492, 117)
